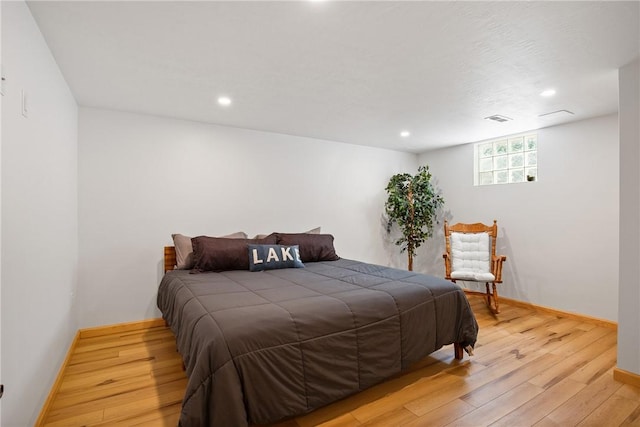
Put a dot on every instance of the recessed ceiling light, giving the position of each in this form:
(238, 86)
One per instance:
(548, 92)
(405, 133)
(224, 100)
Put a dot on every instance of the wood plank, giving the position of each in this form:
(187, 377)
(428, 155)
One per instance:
(552, 340)
(597, 366)
(114, 389)
(86, 380)
(585, 401)
(443, 415)
(438, 397)
(155, 348)
(108, 362)
(167, 395)
(121, 327)
(427, 386)
(124, 342)
(629, 391)
(92, 356)
(492, 390)
(398, 417)
(122, 401)
(633, 419)
(526, 324)
(528, 345)
(581, 355)
(496, 351)
(535, 409)
(547, 422)
(563, 325)
(613, 411)
(88, 418)
(499, 407)
(589, 338)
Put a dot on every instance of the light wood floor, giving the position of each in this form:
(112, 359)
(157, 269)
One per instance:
(529, 368)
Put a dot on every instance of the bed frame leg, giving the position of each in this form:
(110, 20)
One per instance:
(457, 351)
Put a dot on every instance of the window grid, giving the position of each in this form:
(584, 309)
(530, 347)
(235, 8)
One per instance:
(507, 161)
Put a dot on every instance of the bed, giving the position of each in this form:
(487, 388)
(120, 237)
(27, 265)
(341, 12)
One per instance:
(259, 347)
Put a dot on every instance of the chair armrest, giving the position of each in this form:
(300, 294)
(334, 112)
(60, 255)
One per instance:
(447, 266)
(496, 266)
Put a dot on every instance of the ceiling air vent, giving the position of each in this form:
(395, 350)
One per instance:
(498, 118)
(557, 113)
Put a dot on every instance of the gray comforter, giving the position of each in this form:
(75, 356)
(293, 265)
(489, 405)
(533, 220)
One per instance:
(263, 346)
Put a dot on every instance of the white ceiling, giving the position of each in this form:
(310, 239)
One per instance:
(355, 72)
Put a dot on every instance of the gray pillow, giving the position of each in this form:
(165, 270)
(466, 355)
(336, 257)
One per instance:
(312, 231)
(271, 257)
(184, 248)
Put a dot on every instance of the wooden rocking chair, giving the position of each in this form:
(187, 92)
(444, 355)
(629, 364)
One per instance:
(471, 256)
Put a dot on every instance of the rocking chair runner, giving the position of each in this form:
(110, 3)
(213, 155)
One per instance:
(471, 255)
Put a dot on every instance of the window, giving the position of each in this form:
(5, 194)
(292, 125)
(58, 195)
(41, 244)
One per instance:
(505, 161)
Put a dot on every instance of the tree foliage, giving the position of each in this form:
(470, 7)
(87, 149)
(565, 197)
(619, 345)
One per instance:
(412, 204)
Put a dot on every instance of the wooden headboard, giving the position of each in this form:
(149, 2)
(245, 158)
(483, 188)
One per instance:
(169, 258)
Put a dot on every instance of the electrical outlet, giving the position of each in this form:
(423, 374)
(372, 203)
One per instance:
(25, 109)
(2, 82)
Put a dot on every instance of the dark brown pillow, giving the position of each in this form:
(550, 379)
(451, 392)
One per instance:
(220, 254)
(184, 250)
(313, 247)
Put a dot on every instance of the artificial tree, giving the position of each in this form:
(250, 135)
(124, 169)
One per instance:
(412, 204)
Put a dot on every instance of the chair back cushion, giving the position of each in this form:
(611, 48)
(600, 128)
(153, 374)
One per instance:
(471, 256)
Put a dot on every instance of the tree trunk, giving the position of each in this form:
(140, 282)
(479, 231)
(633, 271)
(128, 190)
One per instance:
(410, 247)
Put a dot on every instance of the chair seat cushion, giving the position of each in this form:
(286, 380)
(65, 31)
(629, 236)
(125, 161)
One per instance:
(470, 253)
(476, 276)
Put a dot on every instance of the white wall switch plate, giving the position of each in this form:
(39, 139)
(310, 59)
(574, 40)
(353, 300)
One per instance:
(25, 109)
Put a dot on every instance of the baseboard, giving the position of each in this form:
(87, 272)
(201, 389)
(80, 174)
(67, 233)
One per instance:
(89, 333)
(56, 384)
(581, 317)
(626, 377)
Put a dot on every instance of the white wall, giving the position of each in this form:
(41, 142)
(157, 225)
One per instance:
(143, 178)
(560, 233)
(0, 216)
(39, 218)
(629, 315)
